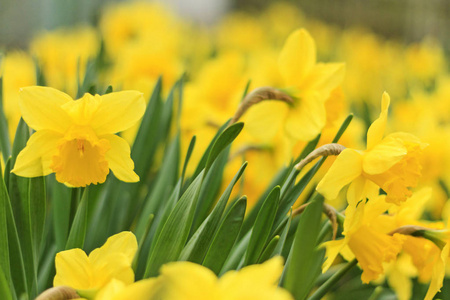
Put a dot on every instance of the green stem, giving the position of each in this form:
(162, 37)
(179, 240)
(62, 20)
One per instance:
(324, 288)
(74, 201)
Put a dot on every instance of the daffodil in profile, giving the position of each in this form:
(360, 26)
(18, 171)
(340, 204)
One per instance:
(391, 163)
(186, 281)
(88, 274)
(364, 239)
(76, 139)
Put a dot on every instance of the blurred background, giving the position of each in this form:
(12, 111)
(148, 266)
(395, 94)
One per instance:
(408, 20)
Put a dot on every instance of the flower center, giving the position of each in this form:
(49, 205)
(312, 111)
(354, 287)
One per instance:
(80, 161)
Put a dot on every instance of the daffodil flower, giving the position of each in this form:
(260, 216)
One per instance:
(364, 240)
(76, 139)
(88, 274)
(390, 163)
(309, 84)
(186, 280)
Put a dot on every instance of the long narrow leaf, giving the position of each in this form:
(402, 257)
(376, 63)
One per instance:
(225, 237)
(262, 227)
(20, 202)
(174, 234)
(198, 245)
(306, 259)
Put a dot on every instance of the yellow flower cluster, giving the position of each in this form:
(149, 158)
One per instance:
(106, 274)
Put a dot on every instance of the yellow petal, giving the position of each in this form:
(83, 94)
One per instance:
(346, 167)
(383, 155)
(110, 290)
(41, 108)
(146, 289)
(73, 269)
(82, 111)
(35, 159)
(265, 119)
(186, 280)
(119, 160)
(376, 130)
(333, 249)
(437, 278)
(297, 57)
(255, 282)
(118, 111)
(324, 78)
(263, 275)
(308, 117)
(360, 189)
(124, 242)
(112, 265)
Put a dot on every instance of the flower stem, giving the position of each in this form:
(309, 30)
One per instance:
(324, 288)
(74, 201)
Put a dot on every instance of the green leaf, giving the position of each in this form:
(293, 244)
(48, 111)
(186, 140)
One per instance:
(164, 183)
(278, 250)
(199, 243)
(60, 211)
(188, 156)
(306, 259)
(4, 247)
(144, 146)
(15, 252)
(251, 216)
(225, 237)
(262, 227)
(173, 236)
(4, 133)
(236, 257)
(5, 291)
(88, 80)
(77, 232)
(202, 163)
(20, 202)
(142, 240)
(210, 188)
(47, 269)
(225, 139)
(270, 248)
(37, 212)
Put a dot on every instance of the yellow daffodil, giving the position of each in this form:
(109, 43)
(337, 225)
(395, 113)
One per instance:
(186, 281)
(308, 82)
(391, 163)
(364, 241)
(90, 273)
(75, 139)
